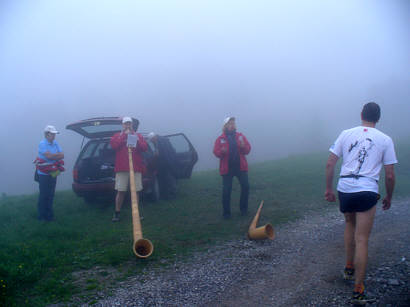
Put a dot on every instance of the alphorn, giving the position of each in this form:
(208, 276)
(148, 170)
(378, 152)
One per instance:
(260, 233)
(142, 248)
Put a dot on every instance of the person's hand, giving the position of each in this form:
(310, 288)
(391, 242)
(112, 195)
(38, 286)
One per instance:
(224, 149)
(386, 203)
(127, 131)
(330, 196)
(241, 142)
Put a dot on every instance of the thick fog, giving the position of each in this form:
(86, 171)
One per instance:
(293, 73)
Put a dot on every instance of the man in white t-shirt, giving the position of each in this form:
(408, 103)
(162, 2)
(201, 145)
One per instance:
(364, 150)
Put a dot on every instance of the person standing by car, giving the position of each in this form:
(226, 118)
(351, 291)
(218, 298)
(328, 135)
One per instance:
(167, 164)
(364, 150)
(49, 164)
(119, 144)
(231, 148)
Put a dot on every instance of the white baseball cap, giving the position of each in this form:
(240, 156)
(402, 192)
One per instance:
(227, 119)
(51, 129)
(126, 119)
(151, 135)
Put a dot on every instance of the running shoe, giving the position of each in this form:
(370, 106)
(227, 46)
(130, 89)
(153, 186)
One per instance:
(348, 274)
(361, 299)
(116, 217)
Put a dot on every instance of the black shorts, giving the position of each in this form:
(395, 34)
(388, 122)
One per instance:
(357, 202)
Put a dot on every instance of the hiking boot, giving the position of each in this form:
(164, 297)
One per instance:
(116, 217)
(348, 274)
(361, 299)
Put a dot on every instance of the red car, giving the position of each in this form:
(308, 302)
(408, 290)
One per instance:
(93, 173)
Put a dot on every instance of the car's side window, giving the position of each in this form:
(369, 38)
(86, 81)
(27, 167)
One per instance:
(179, 143)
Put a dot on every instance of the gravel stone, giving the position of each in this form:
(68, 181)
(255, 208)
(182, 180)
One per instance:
(394, 282)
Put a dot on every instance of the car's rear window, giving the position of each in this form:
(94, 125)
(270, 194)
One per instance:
(99, 150)
(102, 128)
(88, 150)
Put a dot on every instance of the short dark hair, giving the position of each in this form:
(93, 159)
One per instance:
(371, 112)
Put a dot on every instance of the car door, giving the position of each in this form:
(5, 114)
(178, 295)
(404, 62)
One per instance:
(186, 154)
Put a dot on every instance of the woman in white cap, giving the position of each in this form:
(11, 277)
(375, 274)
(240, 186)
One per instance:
(49, 164)
(231, 148)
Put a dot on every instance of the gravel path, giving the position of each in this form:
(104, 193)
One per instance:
(301, 267)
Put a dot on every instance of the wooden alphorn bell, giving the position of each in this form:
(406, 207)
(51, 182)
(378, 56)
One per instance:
(260, 233)
(142, 248)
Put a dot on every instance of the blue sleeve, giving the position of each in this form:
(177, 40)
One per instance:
(58, 147)
(42, 148)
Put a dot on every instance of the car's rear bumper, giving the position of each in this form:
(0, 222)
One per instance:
(82, 189)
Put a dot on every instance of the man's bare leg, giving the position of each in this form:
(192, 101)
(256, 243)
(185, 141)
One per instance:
(119, 199)
(364, 224)
(350, 218)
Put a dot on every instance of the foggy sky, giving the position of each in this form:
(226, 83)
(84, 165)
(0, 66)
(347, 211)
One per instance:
(293, 73)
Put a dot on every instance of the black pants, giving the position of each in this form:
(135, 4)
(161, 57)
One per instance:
(167, 184)
(47, 185)
(358, 201)
(227, 189)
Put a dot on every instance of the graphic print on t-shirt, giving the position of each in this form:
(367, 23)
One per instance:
(353, 146)
(360, 150)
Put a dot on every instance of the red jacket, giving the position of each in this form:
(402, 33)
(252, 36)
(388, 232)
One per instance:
(221, 142)
(48, 167)
(119, 144)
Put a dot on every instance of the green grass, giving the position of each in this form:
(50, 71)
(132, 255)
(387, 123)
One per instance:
(83, 251)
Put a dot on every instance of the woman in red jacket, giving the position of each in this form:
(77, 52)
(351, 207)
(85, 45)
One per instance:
(231, 148)
(122, 169)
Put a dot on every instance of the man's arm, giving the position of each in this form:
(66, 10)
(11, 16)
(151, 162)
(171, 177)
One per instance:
(244, 145)
(330, 170)
(142, 144)
(219, 149)
(56, 156)
(390, 180)
(118, 140)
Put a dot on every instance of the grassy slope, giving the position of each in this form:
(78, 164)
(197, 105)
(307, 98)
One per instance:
(37, 259)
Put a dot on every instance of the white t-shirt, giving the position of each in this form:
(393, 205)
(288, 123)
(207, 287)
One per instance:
(364, 151)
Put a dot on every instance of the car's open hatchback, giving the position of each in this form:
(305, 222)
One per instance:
(100, 127)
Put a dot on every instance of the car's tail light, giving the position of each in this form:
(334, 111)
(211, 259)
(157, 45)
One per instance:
(75, 174)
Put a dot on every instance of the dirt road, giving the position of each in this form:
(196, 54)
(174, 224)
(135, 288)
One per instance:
(304, 267)
(301, 267)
